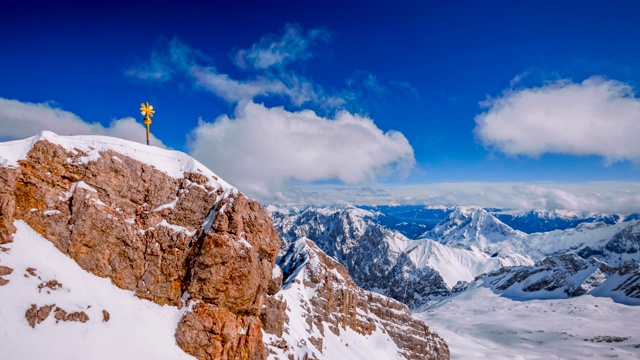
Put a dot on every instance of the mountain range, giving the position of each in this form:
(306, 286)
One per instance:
(467, 244)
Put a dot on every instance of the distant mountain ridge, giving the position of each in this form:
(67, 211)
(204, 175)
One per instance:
(414, 220)
(468, 243)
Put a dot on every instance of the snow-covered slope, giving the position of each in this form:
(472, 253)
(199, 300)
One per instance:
(118, 325)
(329, 317)
(475, 228)
(479, 324)
(567, 275)
(172, 163)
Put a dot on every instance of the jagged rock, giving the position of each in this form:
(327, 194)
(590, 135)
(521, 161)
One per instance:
(274, 316)
(51, 284)
(327, 301)
(156, 235)
(7, 203)
(105, 316)
(4, 270)
(62, 315)
(210, 333)
(38, 314)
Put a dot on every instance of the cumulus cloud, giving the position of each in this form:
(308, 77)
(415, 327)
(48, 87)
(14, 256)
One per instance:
(262, 149)
(276, 52)
(615, 197)
(23, 119)
(595, 117)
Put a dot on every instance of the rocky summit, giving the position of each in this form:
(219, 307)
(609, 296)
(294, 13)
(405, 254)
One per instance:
(161, 225)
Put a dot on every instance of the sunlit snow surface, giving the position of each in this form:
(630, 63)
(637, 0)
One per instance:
(137, 329)
(479, 324)
(172, 163)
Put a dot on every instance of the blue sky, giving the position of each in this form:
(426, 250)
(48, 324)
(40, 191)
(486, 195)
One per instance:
(412, 92)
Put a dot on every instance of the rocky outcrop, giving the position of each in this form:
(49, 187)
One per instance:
(167, 238)
(322, 299)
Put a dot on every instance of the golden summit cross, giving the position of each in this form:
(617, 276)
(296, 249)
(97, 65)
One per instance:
(147, 111)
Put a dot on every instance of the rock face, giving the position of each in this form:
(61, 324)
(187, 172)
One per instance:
(161, 235)
(323, 304)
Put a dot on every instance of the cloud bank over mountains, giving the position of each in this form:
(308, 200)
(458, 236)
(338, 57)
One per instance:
(611, 197)
(595, 117)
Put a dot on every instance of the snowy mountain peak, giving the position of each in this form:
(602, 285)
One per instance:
(473, 228)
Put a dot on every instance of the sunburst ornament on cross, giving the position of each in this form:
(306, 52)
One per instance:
(147, 111)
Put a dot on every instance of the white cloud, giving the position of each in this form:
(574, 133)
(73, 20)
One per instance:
(180, 59)
(22, 119)
(293, 45)
(596, 117)
(615, 197)
(262, 149)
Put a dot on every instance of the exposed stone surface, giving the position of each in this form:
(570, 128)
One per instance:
(62, 315)
(7, 203)
(338, 303)
(51, 284)
(212, 333)
(153, 234)
(105, 316)
(37, 315)
(4, 270)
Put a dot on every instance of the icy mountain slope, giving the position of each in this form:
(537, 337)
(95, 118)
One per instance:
(532, 221)
(567, 275)
(329, 317)
(475, 228)
(39, 280)
(382, 260)
(478, 324)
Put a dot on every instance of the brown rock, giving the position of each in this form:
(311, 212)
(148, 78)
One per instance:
(31, 271)
(32, 315)
(210, 333)
(51, 284)
(62, 315)
(127, 221)
(37, 315)
(4, 270)
(7, 203)
(274, 316)
(338, 303)
(105, 316)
